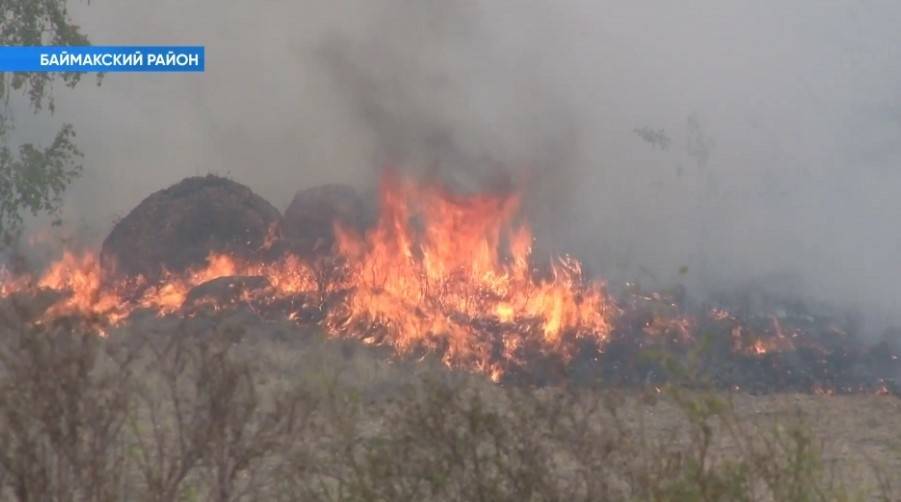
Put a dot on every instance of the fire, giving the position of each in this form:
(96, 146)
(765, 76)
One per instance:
(80, 279)
(10, 282)
(466, 266)
(439, 273)
(286, 276)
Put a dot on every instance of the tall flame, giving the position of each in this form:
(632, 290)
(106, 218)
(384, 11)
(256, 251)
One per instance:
(438, 265)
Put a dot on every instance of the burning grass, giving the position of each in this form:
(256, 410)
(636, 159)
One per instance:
(452, 275)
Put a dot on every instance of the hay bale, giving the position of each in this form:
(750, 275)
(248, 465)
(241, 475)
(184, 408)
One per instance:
(177, 228)
(310, 217)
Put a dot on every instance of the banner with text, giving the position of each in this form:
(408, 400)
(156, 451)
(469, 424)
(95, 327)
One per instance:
(105, 59)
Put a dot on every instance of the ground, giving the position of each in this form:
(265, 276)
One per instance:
(228, 406)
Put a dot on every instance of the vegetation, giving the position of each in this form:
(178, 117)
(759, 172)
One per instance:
(201, 409)
(33, 178)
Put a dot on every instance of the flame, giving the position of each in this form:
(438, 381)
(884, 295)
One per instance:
(439, 273)
(11, 283)
(432, 287)
(80, 276)
(756, 342)
(80, 279)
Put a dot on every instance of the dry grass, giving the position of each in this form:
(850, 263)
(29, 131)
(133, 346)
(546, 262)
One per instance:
(229, 407)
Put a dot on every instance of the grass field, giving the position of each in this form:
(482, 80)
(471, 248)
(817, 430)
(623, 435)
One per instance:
(226, 406)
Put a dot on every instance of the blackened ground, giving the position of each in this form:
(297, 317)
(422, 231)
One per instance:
(809, 353)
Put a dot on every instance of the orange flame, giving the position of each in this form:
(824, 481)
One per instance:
(81, 279)
(431, 287)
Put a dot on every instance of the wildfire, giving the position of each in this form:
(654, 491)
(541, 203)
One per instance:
(79, 278)
(466, 269)
(773, 339)
(438, 273)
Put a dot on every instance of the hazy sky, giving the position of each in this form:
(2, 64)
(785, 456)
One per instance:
(784, 121)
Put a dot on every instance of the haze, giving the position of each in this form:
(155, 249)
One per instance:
(779, 160)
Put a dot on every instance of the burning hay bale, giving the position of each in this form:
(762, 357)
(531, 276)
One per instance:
(309, 219)
(179, 227)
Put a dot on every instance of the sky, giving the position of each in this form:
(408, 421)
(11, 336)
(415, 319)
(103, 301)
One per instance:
(782, 162)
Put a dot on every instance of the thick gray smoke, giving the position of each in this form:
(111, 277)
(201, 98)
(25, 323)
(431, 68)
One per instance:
(713, 145)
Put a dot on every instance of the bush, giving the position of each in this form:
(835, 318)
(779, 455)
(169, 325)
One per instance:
(202, 409)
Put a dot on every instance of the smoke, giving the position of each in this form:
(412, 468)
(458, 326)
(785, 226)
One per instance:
(713, 145)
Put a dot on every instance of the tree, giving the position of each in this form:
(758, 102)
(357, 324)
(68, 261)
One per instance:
(33, 178)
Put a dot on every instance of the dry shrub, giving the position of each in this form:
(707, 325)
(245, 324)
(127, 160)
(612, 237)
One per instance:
(201, 424)
(449, 439)
(205, 409)
(63, 406)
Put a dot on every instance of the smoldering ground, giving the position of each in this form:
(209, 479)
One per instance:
(714, 145)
